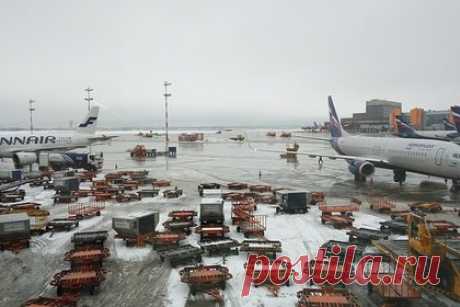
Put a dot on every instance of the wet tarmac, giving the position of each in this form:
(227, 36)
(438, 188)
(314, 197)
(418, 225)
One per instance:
(138, 278)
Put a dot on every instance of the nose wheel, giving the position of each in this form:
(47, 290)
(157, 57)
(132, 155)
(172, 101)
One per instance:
(455, 186)
(399, 175)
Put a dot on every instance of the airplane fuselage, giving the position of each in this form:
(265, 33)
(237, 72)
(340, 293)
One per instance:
(27, 142)
(430, 157)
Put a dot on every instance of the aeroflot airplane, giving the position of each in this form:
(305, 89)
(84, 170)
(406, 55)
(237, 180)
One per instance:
(406, 131)
(24, 149)
(363, 154)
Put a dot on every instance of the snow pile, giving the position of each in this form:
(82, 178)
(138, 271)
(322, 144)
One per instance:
(132, 253)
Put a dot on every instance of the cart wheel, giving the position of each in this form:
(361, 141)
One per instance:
(288, 283)
(277, 210)
(59, 291)
(323, 221)
(98, 213)
(223, 285)
(92, 290)
(238, 229)
(246, 235)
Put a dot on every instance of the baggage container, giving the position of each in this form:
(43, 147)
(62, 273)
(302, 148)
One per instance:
(207, 186)
(14, 226)
(96, 238)
(135, 224)
(292, 201)
(67, 183)
(212, 211)
(211, 193)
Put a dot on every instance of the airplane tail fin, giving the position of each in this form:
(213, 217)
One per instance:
(88, 126)
(404, 130)
(335, 125)
(456, 115)
(448, 125)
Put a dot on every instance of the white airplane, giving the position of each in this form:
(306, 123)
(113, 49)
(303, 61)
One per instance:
(363, 154)
(406, 131)
(25, 148)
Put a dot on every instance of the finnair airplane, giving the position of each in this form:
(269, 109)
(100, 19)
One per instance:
(404, 130)
(25, 148)
(363, 154)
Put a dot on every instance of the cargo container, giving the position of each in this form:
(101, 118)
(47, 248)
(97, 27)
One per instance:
(207, 186)
(14, 226)
(135, 224)
(212, 193)
(92, 238)
(67, 183)
(212, 211)
(292, 201)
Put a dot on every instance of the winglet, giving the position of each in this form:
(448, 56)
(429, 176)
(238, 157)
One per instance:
(334, 121)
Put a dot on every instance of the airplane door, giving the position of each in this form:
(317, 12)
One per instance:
(439, 156)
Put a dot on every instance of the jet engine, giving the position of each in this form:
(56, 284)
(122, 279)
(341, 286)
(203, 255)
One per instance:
(22, 159)
(361, 168)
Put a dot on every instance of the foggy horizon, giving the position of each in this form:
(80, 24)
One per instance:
(258, 63)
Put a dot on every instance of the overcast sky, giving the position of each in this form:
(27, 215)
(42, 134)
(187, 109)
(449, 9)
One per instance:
(231, 62)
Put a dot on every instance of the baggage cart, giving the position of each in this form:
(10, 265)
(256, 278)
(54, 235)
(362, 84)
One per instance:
(60, 224)
(69, 281)
(82, 211)
(268, 248)
(86, 257)
(64, 301)
(212, 231)
(185, 254)
(222, 247)
(207, 279)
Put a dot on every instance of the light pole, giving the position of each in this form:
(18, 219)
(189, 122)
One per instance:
(88, 97)
(166, 95)
(31, 110)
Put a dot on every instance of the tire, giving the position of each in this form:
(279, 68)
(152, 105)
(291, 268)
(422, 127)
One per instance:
(92, 290)
(59, 291)
(323, 221)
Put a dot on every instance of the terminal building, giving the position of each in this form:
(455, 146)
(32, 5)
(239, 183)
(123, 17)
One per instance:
(380, 117)
(377, 118)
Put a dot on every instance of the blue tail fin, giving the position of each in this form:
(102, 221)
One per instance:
(335, 125)
(455, 110)
(404, 130)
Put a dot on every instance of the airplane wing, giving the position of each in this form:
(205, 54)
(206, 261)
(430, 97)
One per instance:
(332, 157)
(312, 138)
(102, 138)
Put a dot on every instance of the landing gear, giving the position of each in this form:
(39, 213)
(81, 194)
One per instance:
(455, 188)
(399, 175)
(359, 178)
